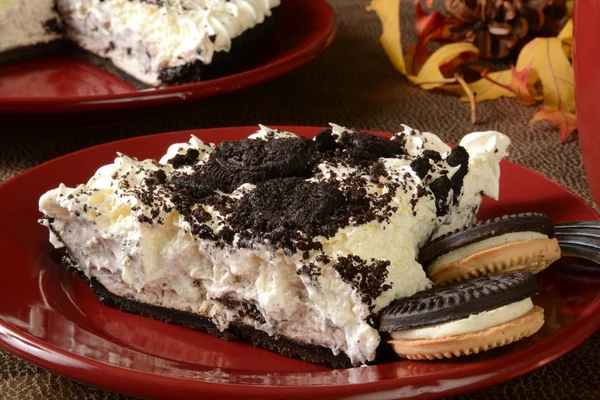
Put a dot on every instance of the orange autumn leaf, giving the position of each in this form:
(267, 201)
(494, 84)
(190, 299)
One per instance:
(566, 122)
(520, 84)
(555, 73)
(506, 83)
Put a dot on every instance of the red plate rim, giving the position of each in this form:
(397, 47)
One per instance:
(122, 380)
(198, 90)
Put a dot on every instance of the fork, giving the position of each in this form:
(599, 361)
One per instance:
(579, 239)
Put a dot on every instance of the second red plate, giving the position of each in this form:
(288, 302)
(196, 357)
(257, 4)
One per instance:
(63, 84)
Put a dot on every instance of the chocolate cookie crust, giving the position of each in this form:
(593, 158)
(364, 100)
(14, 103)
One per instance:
(54, 47)
(525, 222)
(450, 303)
(243, 51)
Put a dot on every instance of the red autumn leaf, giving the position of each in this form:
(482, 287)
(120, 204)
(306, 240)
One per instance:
(567, 122)
(434, 26)
(414, 59)
(451, 66)
(429, 26)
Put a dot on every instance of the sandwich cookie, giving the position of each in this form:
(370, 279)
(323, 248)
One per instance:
(518, 242)
(464, 318)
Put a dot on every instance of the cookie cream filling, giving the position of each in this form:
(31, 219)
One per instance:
(473, 323)
(143, 37)
(128, 228)
(482, 245)
(27, 23)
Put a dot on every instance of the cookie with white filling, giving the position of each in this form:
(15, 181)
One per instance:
(464, 318)
(519, 242)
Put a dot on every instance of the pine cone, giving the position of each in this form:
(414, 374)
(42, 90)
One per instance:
(497, 27)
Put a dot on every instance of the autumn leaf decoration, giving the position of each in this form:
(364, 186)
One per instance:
(543, 63)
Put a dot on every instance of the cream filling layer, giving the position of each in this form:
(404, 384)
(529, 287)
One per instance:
(473, 323)
(483, 245)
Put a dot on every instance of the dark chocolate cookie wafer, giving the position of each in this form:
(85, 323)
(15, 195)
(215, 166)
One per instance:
(457, 301)
(519, 242)
(256, 160)
(464, 318)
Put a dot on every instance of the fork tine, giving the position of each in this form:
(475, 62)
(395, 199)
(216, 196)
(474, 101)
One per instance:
(575, 241)
(580, 244)
(584, 232)
(579, 239)
(578, 225)
(569, 250)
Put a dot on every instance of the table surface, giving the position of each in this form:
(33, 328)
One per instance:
(352, 84)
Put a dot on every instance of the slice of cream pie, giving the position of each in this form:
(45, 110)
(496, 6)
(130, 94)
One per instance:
(163, 42)
(291, 244)
(148, 42)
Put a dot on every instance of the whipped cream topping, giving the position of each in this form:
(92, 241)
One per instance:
(128, 228)
(204, 150)
(27, 23)
(143, 37)
(486, 150)
(471, 324)
(417, 142)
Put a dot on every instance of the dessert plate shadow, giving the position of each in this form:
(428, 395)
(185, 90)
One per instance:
(64, 84)
(52, 319)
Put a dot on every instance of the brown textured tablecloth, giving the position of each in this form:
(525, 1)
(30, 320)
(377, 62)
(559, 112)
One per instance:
(353, 84)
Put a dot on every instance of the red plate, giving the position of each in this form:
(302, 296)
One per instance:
(52, 319)
(63, 84)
